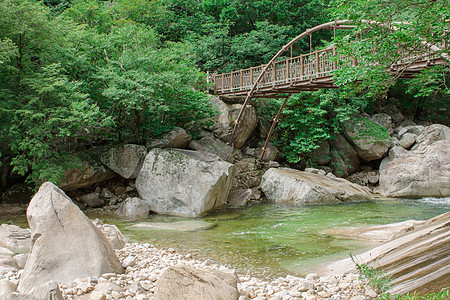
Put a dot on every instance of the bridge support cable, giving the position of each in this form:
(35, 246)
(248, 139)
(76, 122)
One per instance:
(274, 123)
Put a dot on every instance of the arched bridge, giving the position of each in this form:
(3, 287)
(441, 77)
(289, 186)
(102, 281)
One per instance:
(312, 71)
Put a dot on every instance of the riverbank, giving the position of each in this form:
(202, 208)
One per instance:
(145, 263)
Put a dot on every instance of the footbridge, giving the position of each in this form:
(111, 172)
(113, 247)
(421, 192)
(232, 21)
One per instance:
(280, 78)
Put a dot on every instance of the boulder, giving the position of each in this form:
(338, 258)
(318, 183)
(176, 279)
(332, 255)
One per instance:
(112, 233)
(85, 176)
(295, 187)
(47, 291)
(184, 282)
(344, 156)
(125, 160)
(15, 238)
(176, 138)
(65, 243)
(225, 120)
(432, 134)
(188, 225)
(371, 140)
(423, 172)
(133, 208)
(214, 146)
(322, 154)
(183, 182)
(92, 200)
(407, 140)
(383, 120)
(397, 152)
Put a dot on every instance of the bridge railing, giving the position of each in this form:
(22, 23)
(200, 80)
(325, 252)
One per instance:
(306, 67)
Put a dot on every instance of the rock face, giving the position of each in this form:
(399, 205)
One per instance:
(322, 154)
(224, 122)
(295, 187)
(417, 261)
(432, 134)
(359, 133)
(184, 282)
(65, 243)
(88, 175)
(423, 172)
(214, 146)
(183, 182)
(125, 160)
(176, 138)
(344, 157)
(133, 208)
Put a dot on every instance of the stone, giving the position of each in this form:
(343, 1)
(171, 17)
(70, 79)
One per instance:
(87, 175)
(112, 233)
(415, 129)
(225, 120)
(344, 157)
(383, 120)
(8, 261)
(6, 288)
(96, 295)
(188, 225)
(214, 146)
(321, 155)
(106, 286)
(184, 282)
(423, 172)
(125, 160)
(17, 296)
(92, 200)
(432, 134)
(239, 197)
(5, 251)
(407, 140)
(15, 238)
(373, 179)
(65, 243)
(183, 182)
(295, 187)
(272, 153)
(21, 260)
(401, 131)
(47, 291)
(361, 133)
(397, 152)
(398, 117)
(133, 208)
(176, 138)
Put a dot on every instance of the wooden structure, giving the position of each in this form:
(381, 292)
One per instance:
(309, 72)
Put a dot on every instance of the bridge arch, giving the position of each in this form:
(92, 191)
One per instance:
(442, 58)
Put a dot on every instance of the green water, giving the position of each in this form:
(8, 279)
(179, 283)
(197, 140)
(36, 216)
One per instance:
(272, 240)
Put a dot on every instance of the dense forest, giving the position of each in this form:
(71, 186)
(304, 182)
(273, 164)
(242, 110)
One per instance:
(79, 73)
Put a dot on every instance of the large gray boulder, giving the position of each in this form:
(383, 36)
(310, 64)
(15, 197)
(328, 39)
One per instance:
(187, 283)
(371, 140)
(295, 187)
(65, 243)
(88, 174)
(125, 160)
(183, 182)
(419, 173)
(225, 120)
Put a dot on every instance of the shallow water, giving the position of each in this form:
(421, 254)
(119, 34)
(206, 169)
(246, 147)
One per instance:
(271, 240)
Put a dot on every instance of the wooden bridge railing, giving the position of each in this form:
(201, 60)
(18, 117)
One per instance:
(319, 64)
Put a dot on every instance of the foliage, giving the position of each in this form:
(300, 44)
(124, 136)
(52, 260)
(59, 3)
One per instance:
(400, 29)
(310, 118)
(376, 278)
(442, 295)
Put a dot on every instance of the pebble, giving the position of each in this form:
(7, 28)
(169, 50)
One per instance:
(144, 264)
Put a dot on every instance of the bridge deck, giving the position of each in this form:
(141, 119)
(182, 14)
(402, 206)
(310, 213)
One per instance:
(308, 72)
